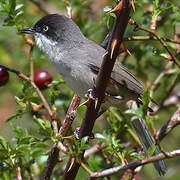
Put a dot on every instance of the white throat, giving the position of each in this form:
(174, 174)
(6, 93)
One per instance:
(46, 45)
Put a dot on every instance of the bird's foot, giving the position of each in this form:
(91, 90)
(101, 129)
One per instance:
(76, 134)
(88, 97)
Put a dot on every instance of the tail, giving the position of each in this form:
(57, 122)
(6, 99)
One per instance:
(147, 141)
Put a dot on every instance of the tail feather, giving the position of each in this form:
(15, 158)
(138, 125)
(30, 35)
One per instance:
(147, 141)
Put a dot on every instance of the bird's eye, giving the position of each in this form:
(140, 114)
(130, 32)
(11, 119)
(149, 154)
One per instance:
(45, 28)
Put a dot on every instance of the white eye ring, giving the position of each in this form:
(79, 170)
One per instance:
(45, 28)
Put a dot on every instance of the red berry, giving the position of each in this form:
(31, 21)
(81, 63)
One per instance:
(4, 76)
(42, 78)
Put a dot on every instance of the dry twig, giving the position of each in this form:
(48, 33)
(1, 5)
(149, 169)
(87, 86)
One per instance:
(161, 40)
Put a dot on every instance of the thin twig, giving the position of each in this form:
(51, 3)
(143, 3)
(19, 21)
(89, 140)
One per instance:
(134, 164)
(31, 44)
(169, 125)
(43, 99)
(54, 154)
(161, 40)
(94, 149)
(145, 38)
(70, 115)
(51, 162)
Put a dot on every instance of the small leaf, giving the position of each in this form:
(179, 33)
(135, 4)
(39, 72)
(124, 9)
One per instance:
(145, 101)
(3, 142)
(20, 102)
(18, 131)
(40, 122)
(151, 150)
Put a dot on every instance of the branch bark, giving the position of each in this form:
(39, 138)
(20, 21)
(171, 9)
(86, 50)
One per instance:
(112, 50)
(161, 40)
(135, 164)
(169, 125)
(54, 154)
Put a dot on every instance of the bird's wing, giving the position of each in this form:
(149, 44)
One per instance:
(120, 73)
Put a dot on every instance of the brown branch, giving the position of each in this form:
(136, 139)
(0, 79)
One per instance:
(31, 44)
(161, 40)
(128, 175)
(54, 154)
(167, 71)
(134, 164)
(169, 125)
(45, 104)
(144, 38)
(51, 162)
(70, 115)
(94, 149)
(72, 166)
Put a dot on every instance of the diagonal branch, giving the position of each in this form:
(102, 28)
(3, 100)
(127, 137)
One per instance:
(161, 40)
(169, 125)
(134, 164)
(54, 154)
(145, 38)
(72, 166)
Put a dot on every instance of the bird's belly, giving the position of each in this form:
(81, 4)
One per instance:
(79, 79)
(78, 85)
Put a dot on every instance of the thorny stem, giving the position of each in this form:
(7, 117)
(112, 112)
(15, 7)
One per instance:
(112, 51)
(54, 154)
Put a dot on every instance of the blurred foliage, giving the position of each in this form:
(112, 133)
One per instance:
(26, 144)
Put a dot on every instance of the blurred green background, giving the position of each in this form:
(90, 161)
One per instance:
(146, 62)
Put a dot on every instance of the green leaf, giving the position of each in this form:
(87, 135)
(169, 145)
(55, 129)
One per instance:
(12, 5)
(3, 142)
(151, 150)
(40, 122)
(18, 131)
(145, 101)
(84, 145)
(136, 155)
(19, 114)
(20, 102)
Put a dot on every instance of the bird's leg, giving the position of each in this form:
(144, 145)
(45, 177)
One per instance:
(89, 95)
(76, 134)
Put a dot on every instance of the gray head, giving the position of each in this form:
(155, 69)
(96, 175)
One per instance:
(54, 29)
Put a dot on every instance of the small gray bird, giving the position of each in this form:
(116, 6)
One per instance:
(79, 60)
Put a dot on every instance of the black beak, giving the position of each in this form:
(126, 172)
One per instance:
(27, 31)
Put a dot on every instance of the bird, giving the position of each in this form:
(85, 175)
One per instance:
(79, 59)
